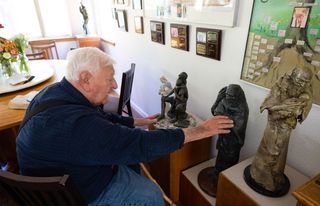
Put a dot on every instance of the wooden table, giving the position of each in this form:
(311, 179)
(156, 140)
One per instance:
(10, 118)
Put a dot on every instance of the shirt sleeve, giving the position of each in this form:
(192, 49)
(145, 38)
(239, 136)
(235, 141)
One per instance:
(103, 142)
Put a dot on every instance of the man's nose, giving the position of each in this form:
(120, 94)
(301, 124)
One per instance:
(115, 85)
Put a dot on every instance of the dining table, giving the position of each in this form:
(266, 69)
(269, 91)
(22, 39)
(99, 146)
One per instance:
(53, 71)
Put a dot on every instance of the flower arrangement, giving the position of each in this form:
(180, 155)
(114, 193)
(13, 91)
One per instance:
(8, 54)
(21, 42)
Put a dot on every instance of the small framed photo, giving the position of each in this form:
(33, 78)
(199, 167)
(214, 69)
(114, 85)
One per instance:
(179, 36)
(137, 4)
(300, 17)
(208, 43)
(157, 31)
(138, 24)
(122, 20)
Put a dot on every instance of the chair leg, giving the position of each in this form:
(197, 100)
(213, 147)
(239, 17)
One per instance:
(129, 109)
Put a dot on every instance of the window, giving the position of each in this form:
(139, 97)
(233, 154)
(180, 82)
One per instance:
(35, 18)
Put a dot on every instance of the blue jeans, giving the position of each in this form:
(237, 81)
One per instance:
(127, 188)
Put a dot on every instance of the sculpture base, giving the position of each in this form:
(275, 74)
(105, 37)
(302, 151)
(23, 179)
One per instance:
(165, 123)
(208, 181)
(258, 188)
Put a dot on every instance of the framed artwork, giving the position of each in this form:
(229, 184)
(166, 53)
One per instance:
(208, 43)
(122, 20)
(284, 37)
(157, 31)
(214, 12)
(179, 36)
(138, 24)
(137, 4)
(300, 17)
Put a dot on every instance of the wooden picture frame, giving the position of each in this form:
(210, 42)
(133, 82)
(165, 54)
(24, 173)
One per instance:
(208, 43)
(157, 32)
(122, 20)
(138, 24)
(137, 4)
(179, 36)
(300, 17)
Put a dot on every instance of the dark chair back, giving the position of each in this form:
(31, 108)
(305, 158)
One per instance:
(125, 92)
(40, 191)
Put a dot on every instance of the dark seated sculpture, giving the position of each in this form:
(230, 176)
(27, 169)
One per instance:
(231, 102)
(177, 112)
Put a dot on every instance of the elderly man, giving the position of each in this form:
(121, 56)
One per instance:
(73, 135)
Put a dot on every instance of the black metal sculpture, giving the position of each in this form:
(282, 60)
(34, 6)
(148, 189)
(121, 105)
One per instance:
(231, 101)
(178, 102)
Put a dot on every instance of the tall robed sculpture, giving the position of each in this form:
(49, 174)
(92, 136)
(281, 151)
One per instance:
(231, 101)
(289, 102)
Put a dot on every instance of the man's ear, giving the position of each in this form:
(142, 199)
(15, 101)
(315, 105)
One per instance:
(84, 80)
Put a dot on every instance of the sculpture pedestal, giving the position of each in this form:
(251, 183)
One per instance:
(233, 191)
(166, 170)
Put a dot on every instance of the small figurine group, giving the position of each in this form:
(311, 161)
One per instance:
(177, 112)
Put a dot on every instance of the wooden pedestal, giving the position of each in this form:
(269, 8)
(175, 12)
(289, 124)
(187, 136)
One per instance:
(190, 192)
(233, 191)
(309, 193)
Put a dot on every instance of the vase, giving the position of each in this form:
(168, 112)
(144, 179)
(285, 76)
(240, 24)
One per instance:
(7, 69)
(24, 68)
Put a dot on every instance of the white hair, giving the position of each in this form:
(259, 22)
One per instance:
(89, 59)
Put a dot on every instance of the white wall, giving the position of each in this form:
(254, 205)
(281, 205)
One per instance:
(206, 78)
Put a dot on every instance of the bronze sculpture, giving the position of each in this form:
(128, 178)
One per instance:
(289, 102)
(177, 111)
(231, 101)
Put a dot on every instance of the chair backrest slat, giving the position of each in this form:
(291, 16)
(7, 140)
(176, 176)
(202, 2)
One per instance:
(38, 191)
(49, 47)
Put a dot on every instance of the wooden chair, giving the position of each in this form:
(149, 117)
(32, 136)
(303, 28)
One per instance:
(39, 191)
(48, 46)
(125, 94)
(37, 56)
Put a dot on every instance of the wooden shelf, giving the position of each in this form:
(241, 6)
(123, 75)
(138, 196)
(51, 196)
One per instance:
(309, 193)
(190, 192)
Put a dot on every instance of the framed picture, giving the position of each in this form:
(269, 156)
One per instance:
(122, 20)
(208, 43)
(137, 4)
(157, 31)
(286, 36)
(179, 36)
(213, 12)
(300, 17)
(138, 24)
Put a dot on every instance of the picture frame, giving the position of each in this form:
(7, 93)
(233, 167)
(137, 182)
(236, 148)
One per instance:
(300, 17)
(138, 24)
(179, 36)
(208, 43)
(122, 20)
(280, 41)
(157, 32)
(137, 4)
(212, 12)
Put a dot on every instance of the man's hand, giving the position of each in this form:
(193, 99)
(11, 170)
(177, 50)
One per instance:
(146, 121)
(212, 126)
